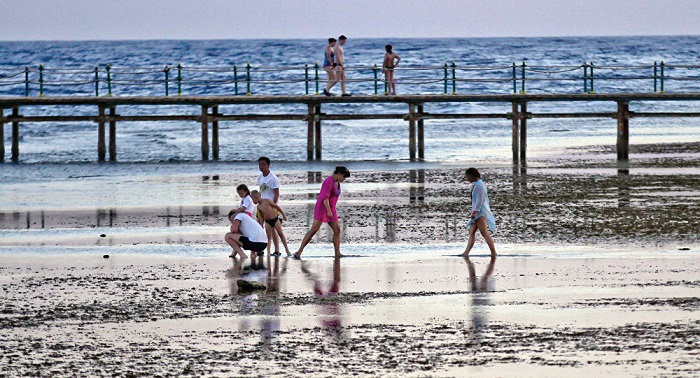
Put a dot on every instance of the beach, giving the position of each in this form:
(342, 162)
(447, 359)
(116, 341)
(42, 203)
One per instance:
(119, 274)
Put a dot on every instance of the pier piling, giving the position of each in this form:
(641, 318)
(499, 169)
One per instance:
(623, 132)
(205, 132)
(310, 132)
(412, 131)
(15, 135)
(2, 135)
(215, 133)
(112, 133)
(101, 147)
(523, 133)
(317, 120)
(421, 135)
(515, 116)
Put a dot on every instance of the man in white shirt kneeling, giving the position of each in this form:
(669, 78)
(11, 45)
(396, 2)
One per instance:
(246, 233)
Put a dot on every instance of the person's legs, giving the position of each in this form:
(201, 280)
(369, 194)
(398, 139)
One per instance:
(484, 230)
(268, 231)
(280, 232)
(335, 226)
(234, 241)
(307, 238)
(331, 78)
(472, 239)
(275, 240)
(390, 79)
(340, 76)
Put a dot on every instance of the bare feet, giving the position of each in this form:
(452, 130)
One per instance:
(297, 255)
(465, 254)
(339, 255)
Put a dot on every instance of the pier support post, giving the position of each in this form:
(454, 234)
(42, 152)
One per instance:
(516, 121)
(317, 121)
(112, 134)
(623, 132)
(205, 132)
(101, 147)
(412, 132)
(15, 135)
(310, 133)
(421, 135)
(215, 133)
(523, 133)
(2, 135)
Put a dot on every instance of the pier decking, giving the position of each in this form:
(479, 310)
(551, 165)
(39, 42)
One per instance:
(206, 113)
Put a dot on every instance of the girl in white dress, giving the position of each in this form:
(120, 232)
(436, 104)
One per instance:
(481, 217)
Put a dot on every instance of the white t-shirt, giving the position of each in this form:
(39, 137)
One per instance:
(247, 201)
(267, 184)
(251, 229)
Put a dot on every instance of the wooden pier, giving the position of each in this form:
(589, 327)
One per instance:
(206, 112)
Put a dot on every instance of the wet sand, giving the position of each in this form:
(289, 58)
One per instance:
(554, 312)
(597, 275)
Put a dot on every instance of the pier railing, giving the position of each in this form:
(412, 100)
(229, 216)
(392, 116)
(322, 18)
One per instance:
(448, 78)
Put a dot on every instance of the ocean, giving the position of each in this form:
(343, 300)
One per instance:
(447, 141)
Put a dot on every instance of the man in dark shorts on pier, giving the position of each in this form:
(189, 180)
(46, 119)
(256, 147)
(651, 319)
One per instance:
(246, 233)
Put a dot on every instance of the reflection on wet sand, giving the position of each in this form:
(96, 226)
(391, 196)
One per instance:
(331, 317)
(251, 303)
(481, 289)
(520, 179)
(44, 219)
(623, 189)
(417, 192)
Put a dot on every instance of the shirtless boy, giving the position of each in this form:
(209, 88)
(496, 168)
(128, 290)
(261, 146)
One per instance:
(270, 212)
(391, 60)
(340, 63)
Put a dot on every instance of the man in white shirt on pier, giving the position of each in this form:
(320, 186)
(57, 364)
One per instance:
(269, 189)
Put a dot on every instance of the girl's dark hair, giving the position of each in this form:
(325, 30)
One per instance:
(388, 48)
(342, 171)
(331, 40)
(244, 188)
(473, 172)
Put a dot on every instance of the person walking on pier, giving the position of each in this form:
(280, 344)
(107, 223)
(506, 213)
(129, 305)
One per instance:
(340, 61)
(269, 189)
(329, 66)
(481, 216)
(391, 60)
(325, 210)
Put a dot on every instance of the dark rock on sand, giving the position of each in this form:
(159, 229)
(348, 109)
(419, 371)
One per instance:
(248, 286)
(103, 235)
(105, 256)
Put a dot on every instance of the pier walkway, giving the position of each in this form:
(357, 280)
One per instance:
(206, 113)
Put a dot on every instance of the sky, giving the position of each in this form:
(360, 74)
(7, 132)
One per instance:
(22, 20)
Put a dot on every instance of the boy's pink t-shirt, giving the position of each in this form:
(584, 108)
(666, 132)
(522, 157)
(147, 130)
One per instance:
(330, 192)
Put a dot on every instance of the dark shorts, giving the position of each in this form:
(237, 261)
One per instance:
(252, 246)
(272, 222)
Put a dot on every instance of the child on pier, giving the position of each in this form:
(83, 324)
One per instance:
(270, 212)
(391, 60)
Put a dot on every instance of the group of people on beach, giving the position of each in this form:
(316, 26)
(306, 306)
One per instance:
(256, 223)
(334, 65)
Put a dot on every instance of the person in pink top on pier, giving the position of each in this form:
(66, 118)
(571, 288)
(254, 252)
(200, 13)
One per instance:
(325, 211)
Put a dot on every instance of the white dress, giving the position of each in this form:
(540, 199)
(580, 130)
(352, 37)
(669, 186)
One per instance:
(480, 204)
